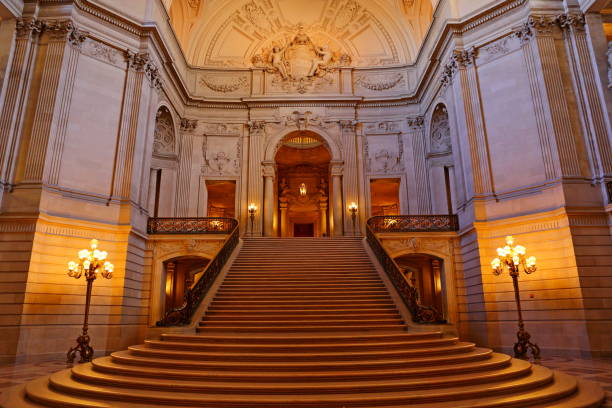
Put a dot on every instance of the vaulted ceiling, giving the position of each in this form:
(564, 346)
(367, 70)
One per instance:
(229, 33)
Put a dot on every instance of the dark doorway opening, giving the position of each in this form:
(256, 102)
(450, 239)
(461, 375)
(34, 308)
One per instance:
(303, 230)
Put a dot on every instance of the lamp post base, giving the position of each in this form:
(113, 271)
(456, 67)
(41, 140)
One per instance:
(83, 348)
(523, 346)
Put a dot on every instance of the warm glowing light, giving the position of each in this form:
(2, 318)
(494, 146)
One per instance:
(91, 262)
(303, 189)
(353, 208)
(252, 208)
(512, 257)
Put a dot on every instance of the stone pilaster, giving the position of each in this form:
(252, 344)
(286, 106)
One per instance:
(257, 133)
(550, 101)
(589, 92)
(139, 70)
(269, 207)
(416, 133)
(184, 170)
(464, 63)
(53, 101)
(352, 179)
(15, 95)
(337, 168)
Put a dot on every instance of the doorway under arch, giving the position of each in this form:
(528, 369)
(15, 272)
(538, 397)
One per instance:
(181, 273)
(425, 273)
(303, 185)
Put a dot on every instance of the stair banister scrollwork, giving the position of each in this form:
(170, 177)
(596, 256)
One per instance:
(182, 315)
(408, 292)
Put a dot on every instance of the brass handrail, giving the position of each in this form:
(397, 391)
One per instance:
(414, 223)
(206, 225)
(182, 315)
(420, 313)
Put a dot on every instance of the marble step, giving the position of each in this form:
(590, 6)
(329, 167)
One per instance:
(534, 381)
(293, 347)
(293, 356)
(126, 357)
(87, 374)
(106, 364)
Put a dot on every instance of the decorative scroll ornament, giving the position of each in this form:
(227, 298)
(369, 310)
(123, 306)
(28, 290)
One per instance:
(416, 122)
(221, 162)
(188, 124)
(300, 63)
(382, 85)
(233, 86)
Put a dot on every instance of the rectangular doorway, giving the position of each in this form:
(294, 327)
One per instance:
(221, 198)
(384, 196)
(303, 230)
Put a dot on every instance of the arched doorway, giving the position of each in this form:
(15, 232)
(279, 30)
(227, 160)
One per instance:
(425, 273)
(303, 180)
(181, 273)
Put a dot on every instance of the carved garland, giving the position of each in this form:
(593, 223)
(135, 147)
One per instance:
(225, 87)
(383, 85)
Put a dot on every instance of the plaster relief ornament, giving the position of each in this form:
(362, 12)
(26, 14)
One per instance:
(300, 64)
(220, 163)
(232, 85)
(163, 136)
(440, 131)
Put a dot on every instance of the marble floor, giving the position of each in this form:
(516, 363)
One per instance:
(599, 370)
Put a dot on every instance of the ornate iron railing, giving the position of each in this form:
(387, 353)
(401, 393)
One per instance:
(193, 296)
(209, 225)
(409, 293)
(414, 223)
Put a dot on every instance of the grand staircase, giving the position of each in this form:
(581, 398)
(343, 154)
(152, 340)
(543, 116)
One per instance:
(305, 322)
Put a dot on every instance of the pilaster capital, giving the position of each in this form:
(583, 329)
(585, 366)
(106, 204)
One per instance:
(136, 61)
(337, 168)
(188, 125)
(27, 27)
(349, 125)
(256, 126)
(65, 30)
(574, 22)
(268, 169)
(535, 26)
(416, 122)
(459, 59)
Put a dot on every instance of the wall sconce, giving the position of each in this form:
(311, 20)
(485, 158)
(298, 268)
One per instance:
(252, 210)
(303, 189)
(353, 210)
(91, 262)
(512, 258)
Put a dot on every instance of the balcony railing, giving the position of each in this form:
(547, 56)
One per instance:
(407, 291)
(194, 295)
(414, 223)
(209, 225)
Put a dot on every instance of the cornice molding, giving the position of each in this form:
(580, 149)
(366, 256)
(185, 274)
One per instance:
(427, 75)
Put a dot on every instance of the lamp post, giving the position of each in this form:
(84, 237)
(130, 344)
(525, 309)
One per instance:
(90, 263)
(513, 257)
(353, 210)
(252, 209)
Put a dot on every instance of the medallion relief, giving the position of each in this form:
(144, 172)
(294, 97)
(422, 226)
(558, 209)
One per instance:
(300, 64)
(221, 155)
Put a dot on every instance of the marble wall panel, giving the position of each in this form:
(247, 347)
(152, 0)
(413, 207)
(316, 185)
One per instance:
(91, 139)
(516, 157)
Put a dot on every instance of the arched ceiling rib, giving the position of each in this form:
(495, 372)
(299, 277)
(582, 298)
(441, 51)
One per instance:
(230, 33)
